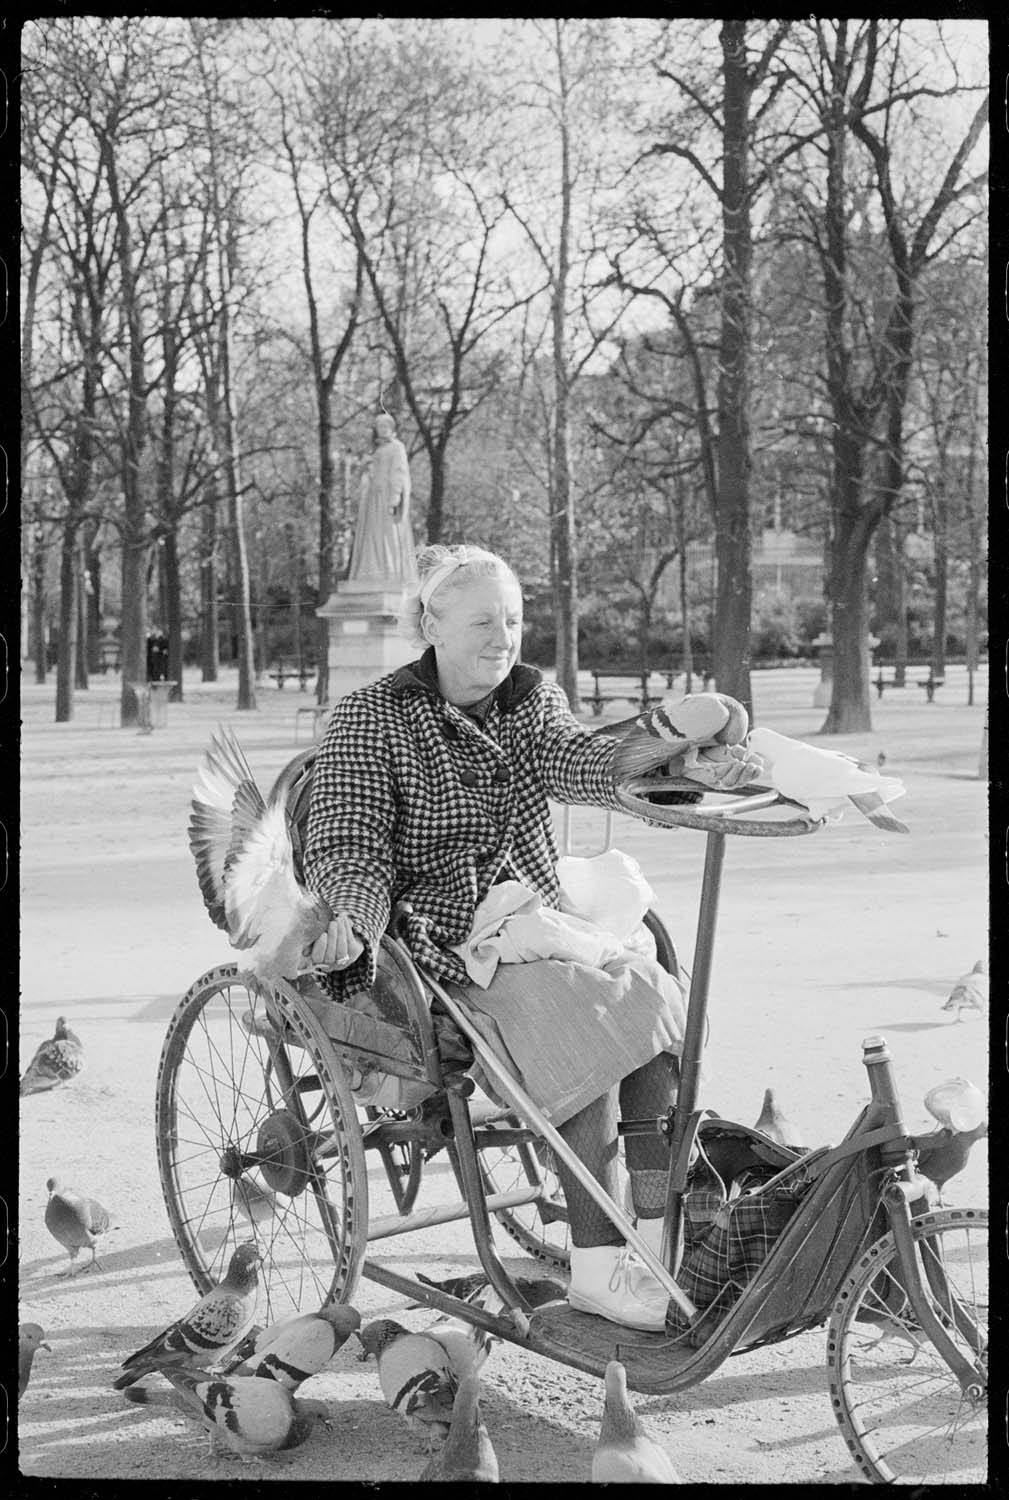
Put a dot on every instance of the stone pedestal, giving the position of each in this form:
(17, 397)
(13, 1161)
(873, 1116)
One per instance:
(364, 639)
(824, 643)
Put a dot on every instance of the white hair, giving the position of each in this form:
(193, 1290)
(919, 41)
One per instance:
(469, 563)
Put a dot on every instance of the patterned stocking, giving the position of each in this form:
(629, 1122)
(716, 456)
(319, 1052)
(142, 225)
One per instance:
(648, 1092)
(592, 1136)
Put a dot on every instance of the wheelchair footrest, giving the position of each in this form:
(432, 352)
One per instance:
(652, 1360)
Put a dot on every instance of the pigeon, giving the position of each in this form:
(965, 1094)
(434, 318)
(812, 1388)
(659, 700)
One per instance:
(256, 1204)
(970, 992)
(211, 1326)
(944, 1153)
(245, 865)
(773, 1123)
(415, 1373)
(466, 1344)
(673, 727)
(536, 1290)
(957, 1103)
(75, 1221)
(250, 1417)
(30, 1338)
(624, 1453)
(56, 1061)
(881, 759)
(295, 1348)
(467, 1456)
(824, 781)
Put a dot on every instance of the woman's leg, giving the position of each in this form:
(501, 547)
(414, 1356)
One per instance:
(646, 1093)
(592, 1136)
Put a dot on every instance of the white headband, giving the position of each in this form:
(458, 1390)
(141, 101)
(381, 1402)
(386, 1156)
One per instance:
(437, 577)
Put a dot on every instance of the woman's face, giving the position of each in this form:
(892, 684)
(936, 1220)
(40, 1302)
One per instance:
(476, 636)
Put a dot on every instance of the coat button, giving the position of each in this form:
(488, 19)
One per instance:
(450, 731)
(502, 774)
(468, 777)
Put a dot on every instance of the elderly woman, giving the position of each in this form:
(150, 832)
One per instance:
(433, 784)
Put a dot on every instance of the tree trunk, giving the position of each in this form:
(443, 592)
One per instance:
(81, 652)
(236, 502)
(327, 476)
(67, 649)
(687, 662)
(39, 605)
(173, 611)
(209, 638)
(93, 574)
(733, 602)
(849, 711)
(900, 602)
(940, 553)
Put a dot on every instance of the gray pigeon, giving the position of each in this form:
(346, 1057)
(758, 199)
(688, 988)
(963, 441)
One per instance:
(251, 1417)
(30, 1338)
(970, 992)
(211, 1327)
(468, 1456)
(773, 1123)
(415, 1373)
(56, 1061)
(76, 1221)
(292, 1350)
(245, 865)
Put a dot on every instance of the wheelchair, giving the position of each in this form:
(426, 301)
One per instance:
(270, 1101)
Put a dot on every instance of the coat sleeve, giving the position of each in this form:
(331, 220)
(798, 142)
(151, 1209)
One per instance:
(348, 844)
(576, 765)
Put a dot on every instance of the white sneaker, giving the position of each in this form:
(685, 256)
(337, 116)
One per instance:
(610, 1281)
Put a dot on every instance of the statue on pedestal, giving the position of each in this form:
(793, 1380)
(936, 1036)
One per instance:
(383, 551)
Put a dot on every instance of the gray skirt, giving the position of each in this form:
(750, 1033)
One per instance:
(570, 1032)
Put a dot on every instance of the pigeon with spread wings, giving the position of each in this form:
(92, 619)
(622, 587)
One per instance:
(245, 865)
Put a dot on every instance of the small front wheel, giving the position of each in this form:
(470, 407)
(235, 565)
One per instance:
(901, 1409)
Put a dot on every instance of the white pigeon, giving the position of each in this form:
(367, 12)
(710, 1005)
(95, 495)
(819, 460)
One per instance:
(624, 1453)
(970, 991)
(957, 1104)
(825, 781)
(245, 865)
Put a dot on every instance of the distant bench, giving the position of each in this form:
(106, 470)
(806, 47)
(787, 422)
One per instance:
(642, 694)
(282, 672)
(929, 683)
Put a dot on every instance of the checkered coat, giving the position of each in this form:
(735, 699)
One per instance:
(413, 800)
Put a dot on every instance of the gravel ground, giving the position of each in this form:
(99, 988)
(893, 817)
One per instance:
(822, 941)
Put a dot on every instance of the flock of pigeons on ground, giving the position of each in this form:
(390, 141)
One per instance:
(240, 1381)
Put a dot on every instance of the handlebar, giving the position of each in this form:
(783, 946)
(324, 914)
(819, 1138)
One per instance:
(731, 813)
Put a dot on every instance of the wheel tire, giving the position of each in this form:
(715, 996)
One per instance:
(509, 1167)
(225, 1092)
(907, 1421)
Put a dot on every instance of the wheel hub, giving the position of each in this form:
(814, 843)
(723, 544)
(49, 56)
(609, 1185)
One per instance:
(282, 1149)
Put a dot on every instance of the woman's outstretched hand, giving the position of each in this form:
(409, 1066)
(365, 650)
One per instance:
(723, 768)
(338, 946)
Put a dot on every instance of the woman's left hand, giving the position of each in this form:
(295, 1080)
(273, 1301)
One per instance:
(723, 767)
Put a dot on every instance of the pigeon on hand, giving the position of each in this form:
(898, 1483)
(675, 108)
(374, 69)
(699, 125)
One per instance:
(295, 1348)
(467, 1456)
(415, 1373)
(210, 1327)
(245, 865)
(824, 781)
(75, 1221)
(30, 1338)
(253, 1418)
(56, 1061)
(256, 1204)
(773, 1123)
(970, 992)
(624, 1453)
(957, 1103)
(536, 1290)
(672, 728)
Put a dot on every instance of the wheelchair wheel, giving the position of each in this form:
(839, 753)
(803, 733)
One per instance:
(258, 1138)
(541, 1227)
(901, 1409)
